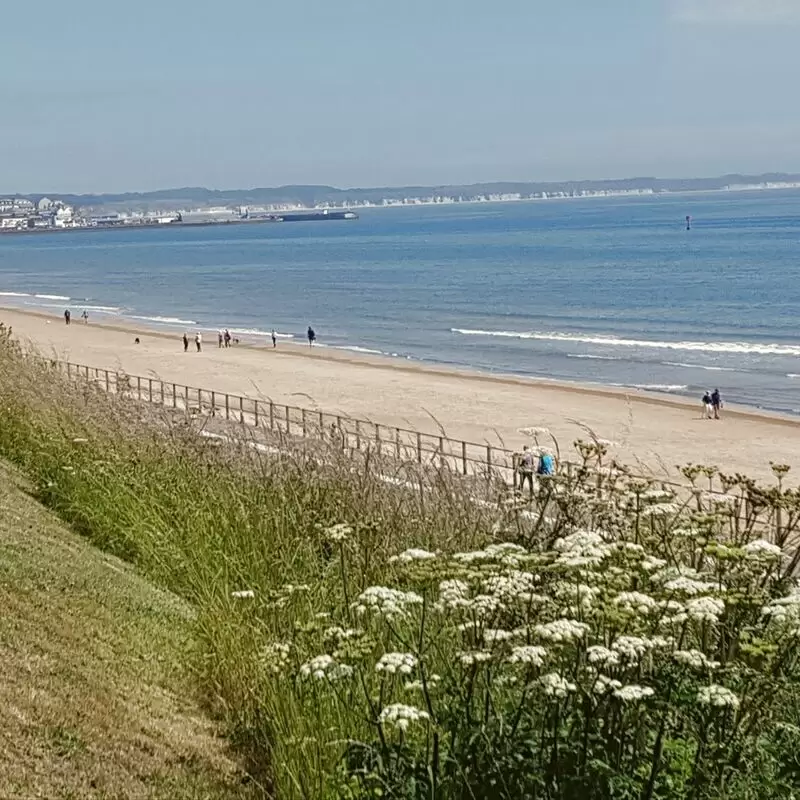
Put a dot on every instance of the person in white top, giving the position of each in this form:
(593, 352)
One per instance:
(198, 340)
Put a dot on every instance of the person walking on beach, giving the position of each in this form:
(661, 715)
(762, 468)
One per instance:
(185, 343)
(708, 409)
(716, 402)
(219, 339)
(312, 337)
(67, 316)
(198, 340)
(85, 317)
(274, 339)
(526, 466)
(227, 338)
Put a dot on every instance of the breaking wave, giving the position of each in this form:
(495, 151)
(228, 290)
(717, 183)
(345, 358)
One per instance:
(771, 349)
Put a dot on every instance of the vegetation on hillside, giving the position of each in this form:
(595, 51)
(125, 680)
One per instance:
(364, 638)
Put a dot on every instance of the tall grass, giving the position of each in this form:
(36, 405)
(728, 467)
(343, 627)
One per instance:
(250, 539)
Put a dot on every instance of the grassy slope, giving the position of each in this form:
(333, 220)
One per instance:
(91, 699)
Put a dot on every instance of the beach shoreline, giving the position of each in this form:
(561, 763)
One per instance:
(654, 431)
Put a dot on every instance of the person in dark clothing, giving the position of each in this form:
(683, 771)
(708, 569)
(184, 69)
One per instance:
(274, 339)
(227, 337)
(185, 343)
(716, 402)
(312, 337)
(708, 409)
(67, 316)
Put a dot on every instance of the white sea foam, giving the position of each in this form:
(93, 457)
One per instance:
(654, 387)
(356, 349)
(699, 366)
(52, 297)
(14, 294)
(167, 320)
(595, 358)
(792, 375)
(257, 332)
(771, 349)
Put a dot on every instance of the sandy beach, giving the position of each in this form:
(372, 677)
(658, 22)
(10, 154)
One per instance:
(655, 430)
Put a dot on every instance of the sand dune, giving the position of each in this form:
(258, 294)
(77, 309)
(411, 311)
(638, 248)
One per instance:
(657, 431)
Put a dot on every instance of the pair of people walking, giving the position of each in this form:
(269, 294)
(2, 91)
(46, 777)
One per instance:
(712, 404)
(529, 466)
(198, 342)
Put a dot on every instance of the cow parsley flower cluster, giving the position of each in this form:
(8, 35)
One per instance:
(453, 594)
(324, 667)
(469, 658)
(390, 603)
(581, 549)
(515, 585)
(528, 654)
(556, 686)
(636, 602)
(412, 554)
(275, 657)
(718, 696)
(633, 693)
(762, 549)
(597, 654)
(561, 630)
(338, 533)
(705, 609)
(694, 659)
(401, 716)
(393, 663)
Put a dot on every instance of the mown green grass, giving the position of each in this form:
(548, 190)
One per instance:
(94, 700)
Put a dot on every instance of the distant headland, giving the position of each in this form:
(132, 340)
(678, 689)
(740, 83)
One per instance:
(199, 204)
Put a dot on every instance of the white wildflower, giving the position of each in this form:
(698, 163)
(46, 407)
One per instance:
(338, 533)
(401, 716)
(528, 654)
(674, 612)
(597, 654)
(504, 553)
(657, 495)
(603, 685)
(651, 563)
(581, 549)
(275, 656)
(453, 594)
(431, 681)
(534, 431)
(630, 547)
(784, 609)
(515, 585)
(392, 663)
(484, 606)
(689, 586)
(325, 667)
(338, 634)
(561, 630)
(579, 595)
(493, 636)
(719, 500)
(633, 693)
(636, 602)
(686, 533)
(661, 510)
(385, 601)
(694, 659)
(762, 549)
(556, 686)
(705, 609)
(471, 657)
(632, 648)
(412, 554)
(716, 695)
(243, 594)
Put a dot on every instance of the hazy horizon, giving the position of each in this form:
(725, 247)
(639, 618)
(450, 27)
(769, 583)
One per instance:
(352, 94)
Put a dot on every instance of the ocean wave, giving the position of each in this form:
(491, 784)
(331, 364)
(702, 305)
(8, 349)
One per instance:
(256, 332)
(792, 375)
(103, 309)
(595, 358)
(699, 366)
(771, 349)
(356, 349)
(14, 294)
(653, 387)
(52, 297)
(166, 320)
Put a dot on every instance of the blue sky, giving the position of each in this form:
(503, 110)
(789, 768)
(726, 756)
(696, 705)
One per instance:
(113, 96)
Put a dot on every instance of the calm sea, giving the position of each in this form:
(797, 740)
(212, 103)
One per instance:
(606, 290)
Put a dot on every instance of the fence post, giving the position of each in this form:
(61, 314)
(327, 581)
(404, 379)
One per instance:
(378, 438)
(358, 435)
(174, 395)
(288, 421)
(199, 401)
(241, 410)
(87, 374)
(69, 371)
(464, 458)
(397, 442)
(138, 387)
(213, 404)
(419, 448)
(227, 406)
(255, 412)
(303, 417)
(488, 460)
(271, 415)
(108, 385)
(149, 390)
(322, 424)
(162, 393)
